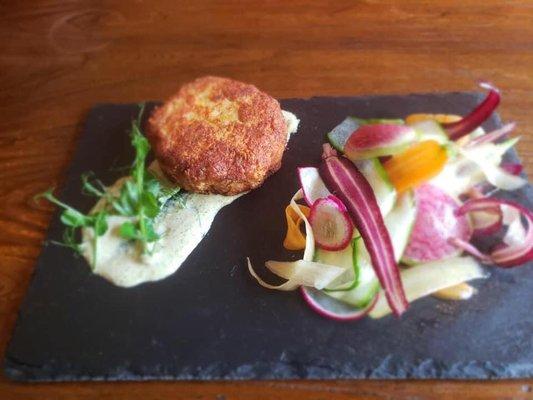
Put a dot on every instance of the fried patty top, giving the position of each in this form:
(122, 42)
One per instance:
(218, 135)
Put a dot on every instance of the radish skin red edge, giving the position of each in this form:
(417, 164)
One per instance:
(331, 224)
(457, 130)
(375, 140)
(337, 316)
(344, 180)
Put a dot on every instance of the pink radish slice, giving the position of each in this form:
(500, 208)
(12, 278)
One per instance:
(376, 140)
(332, 227)
(343, 178)
(330, 308)
(436, 222)
(312, 185)
(482, 112)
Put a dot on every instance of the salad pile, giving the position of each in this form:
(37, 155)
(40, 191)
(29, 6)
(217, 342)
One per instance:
(394, 209)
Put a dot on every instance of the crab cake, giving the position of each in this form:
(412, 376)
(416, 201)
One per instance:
(218, 135)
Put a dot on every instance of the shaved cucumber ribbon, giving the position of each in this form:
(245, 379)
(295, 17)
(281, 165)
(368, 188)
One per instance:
(304, 272)
(425, 279)
(378, 179)
(399, 222)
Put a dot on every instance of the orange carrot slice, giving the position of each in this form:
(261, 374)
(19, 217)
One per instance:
(416, 165)
(294, 239)
(441, 118)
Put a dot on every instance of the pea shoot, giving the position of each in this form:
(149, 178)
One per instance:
(140, 198)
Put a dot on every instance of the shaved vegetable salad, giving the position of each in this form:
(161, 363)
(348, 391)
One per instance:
(393, 211)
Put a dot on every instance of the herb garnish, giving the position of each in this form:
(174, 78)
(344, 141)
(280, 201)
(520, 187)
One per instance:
(140, 198)
(74, 220)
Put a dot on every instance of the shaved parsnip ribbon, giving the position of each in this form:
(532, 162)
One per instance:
(425, 279)
(487, 157)
(302, 273)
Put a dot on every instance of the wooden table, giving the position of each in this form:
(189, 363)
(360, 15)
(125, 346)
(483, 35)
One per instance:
(58, 58)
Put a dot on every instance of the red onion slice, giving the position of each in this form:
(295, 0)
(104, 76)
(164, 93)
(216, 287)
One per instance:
(330, 308)
(505, 256)
(512, 168)
(487, 222)
(483, 111)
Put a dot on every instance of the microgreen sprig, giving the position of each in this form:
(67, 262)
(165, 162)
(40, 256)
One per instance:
(140, 198)
(74, 220)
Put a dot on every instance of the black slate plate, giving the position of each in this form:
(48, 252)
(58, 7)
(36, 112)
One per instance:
(210, 320)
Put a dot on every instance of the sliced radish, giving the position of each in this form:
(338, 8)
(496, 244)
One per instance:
(436, 222)
(312, 185)
(331, 223)
(328, 307)
(376, 140)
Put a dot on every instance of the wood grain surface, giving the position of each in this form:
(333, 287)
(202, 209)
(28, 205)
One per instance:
(57, 58)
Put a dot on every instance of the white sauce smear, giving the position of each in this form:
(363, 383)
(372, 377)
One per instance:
(181, 224)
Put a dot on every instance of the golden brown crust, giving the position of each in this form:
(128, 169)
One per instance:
(217, 135)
